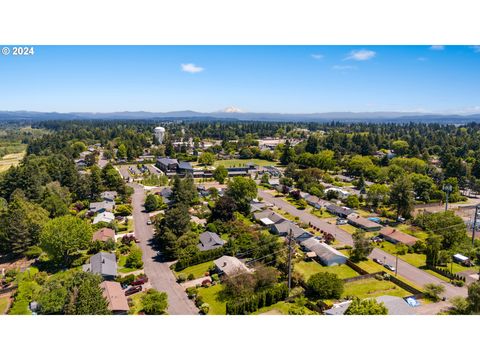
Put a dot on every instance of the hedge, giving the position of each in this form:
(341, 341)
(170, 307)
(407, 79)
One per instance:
(257, 301)
(447, 273)
(199, 258)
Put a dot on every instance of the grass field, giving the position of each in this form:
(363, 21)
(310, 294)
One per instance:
(348, 228)
(372, 288)
(413, 230)
(209, 296)
(243, 162)
(137, 303)
(309, 268)
(198, 271)
(10, 160)
(3, 305)
(280, 308)
(322, 214)
(417, 260)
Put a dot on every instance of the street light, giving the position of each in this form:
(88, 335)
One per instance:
(448, 189)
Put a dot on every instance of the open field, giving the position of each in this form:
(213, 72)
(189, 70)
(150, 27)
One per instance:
(309, 268)
(209, 296)
(198, 271)
(372, 288)
(11, 160)
(243, 162)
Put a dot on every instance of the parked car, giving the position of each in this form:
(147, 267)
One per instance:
(377, 239)
(342, 222)
(140, 281)
(378, 261)
(389, 267)
(133, 290)
(149, 222)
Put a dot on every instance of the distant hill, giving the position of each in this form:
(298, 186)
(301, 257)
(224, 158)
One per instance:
(397, 117)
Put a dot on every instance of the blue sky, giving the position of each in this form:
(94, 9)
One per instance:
(288, 79)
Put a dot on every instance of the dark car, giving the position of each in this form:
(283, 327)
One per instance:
(389, 267)
(140, 281)
(133, 290)
(378, 261)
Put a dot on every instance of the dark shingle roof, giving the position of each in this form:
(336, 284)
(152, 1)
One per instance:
(210, 240)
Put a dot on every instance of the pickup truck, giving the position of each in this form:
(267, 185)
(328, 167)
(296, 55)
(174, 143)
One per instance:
(133, 290)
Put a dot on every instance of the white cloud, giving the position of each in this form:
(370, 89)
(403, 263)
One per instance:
(437, 47)
(422, 59)
(476, 48)
(191, 68)
(361, 55)
(317, 56)
(343, 67)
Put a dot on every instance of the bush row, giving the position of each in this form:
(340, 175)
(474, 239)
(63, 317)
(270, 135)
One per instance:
(447, 273)
(257, 301)
(198, 258)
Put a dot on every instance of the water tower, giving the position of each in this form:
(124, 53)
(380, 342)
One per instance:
(159, 133)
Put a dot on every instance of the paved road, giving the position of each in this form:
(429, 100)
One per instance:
(159, 273)
(406, 270)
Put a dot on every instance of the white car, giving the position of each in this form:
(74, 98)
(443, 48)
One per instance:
(149, 222)
(389, 267)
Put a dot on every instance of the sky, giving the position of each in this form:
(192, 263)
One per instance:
(283, 79)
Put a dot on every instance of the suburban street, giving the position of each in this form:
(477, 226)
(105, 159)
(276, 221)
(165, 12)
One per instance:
(159, 273)
(406, 270)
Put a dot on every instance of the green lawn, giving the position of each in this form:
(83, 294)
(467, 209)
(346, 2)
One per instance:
(280, 308)
(322, 214)
(209, 296)
(3, 305)
(243, 162)
(136, 306)
(198, 271)
(348, 228)
(413, 230)
(372, 288)
(309, 268)
(417, 260)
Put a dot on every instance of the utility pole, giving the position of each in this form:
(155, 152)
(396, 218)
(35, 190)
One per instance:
(396, 265)
(448, 189)
(289, 238)
(477, 209)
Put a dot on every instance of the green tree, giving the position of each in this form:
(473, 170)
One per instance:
(377, 194)
(122, 151)
(206, 158)
(111, 178)
(154, 302)
(86, 296)
(220, 174)
(401, 196)
(352, 201)
(362, 247)
(400, 147)
(325, 285)
(473, 297)
(224, 209)
(184, 191)
(61, 238)
(433, 291)
(134, 259)
(288, 154)
(366, 307)
(242, 190)
(434, 245)
(152, 202)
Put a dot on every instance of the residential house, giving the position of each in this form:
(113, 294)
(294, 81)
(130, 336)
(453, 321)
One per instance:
(209, 241)
(229, 265)
(268, 217)
(104, 234)
(105, 205)
(185, 167)
(115, 296)
(395, 305)
(109, 196)
(166, 193)
(256, 205)
(313, 200)
(105, 216)
(341, 193)
(283, 228)
(327, 255)
(340, 211)
(104, 264)
(167, 164)
(396, 236)
(363, 223)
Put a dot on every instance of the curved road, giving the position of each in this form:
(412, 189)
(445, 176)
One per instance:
(159, 273)
(409, 272)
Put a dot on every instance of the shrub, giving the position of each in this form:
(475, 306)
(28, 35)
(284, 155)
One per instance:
(199, 301)
(33, 252)
(126, 280)
(134, 259)
(325, 286)
(206, 283)
(433, 291)
(215, 277)
(190, 276)
(258, 300)
(181, 277)
(204, 308)
(198, 258)
(192, 292)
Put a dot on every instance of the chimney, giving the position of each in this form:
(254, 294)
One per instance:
(224, 263)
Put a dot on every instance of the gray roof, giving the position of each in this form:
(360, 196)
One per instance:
(101, 205)
(230, 265)
(210, 240)
(338, 309)
(102, 263)
(285, 227)
(184, 165)
(324, 252)
(109, 195)
(167, 161)
(269, 214)
(395, 305)
(339, 209)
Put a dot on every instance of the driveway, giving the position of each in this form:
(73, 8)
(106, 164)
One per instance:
(159, 274)
(406, 270)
